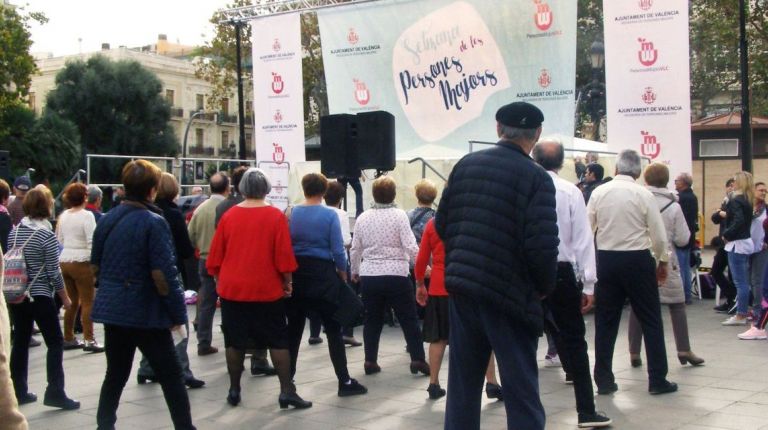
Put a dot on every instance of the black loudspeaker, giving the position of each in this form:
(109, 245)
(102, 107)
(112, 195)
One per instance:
(376, 140)
(5, 165)
(338, 135)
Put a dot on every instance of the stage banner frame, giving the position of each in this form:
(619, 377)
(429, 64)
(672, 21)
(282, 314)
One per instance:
(648, 80)
(444, 67)
(278, 105)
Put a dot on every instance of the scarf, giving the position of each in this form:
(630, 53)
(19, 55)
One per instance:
(383, 205)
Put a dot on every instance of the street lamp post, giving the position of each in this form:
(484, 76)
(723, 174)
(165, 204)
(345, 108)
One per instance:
(184, 147)
(746, 126)
(591, 97)
(240, 103)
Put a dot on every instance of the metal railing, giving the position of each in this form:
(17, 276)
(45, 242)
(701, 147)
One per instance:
(424, 165)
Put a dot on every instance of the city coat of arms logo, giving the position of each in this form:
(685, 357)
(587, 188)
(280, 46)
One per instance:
(650, 146)
(649, 96)
(645, 4)
(543, 16)
(352, 37)
(278, 156)
(277, 83)
(276, 45)
(278, 117)
(362, 94)
(647, 53)
(545, 79)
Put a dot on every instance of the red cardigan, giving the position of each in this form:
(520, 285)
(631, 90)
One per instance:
(431, 246)
(250, 251)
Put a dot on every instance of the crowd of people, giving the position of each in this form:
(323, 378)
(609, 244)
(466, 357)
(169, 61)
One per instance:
(512, 251)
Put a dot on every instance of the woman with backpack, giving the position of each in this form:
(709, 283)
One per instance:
(41, 255)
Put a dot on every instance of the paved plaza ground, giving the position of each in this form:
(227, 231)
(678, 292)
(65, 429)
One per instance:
(729, 392)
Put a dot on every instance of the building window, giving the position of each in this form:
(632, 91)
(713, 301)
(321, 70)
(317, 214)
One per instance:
(249, 140)
(32, 100)
(225, 139)
(199, 137)
(225, 106)
(248, 107)
(200, 102)
(169, 97)
(719, 148)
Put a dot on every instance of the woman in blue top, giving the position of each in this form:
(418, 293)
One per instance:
(140, 301)
(319, 250)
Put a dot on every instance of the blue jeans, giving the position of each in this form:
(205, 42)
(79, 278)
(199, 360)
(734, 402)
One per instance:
(684, 259)
(739, 266)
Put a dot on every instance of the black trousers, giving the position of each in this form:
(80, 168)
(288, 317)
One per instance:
(719, 264)
(568, 330)
(297, 311)
(381, 293)
(631, 274)
(44, 311)
(475, 329)
(120, 345)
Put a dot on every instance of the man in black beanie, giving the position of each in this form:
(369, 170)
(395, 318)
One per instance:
(498, 222)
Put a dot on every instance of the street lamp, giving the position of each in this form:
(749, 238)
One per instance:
(184, 147)
(592, 95)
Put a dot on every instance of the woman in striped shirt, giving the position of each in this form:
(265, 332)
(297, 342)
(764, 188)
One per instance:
(41, 252)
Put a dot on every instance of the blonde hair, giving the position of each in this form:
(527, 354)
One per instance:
(426, 191)
(744, 184)
(167, 188)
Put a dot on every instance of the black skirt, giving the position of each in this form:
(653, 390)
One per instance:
(436, 319)
(258, 325)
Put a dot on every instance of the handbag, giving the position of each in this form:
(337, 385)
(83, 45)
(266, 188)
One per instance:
(350, 309)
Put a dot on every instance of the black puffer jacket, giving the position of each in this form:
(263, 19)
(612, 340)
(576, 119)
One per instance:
(498, 222)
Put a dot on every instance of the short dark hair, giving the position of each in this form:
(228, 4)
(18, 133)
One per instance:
(426, 192)
(237, 176)
(75, 194)
(757, 184)
(219, 183)
(139, 177)
(37, 203)
(597, 170)
(549, 159)
(314, 184)
(334, 193)
(5, 190)
(729, 182)
(384, 190)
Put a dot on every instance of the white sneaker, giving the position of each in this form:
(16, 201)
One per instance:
(553, 361)
(735, 320)
(753, 333)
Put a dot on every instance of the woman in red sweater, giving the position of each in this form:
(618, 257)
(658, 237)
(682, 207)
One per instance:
(435, 329)
(252, 258)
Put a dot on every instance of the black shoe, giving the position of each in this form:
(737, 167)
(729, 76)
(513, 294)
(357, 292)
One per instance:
(419, 366)
(262, 367)
(435, 391)
(607, 389)
(598, 419)
(723, 308)
(34, 342)
(206, 350)
(233, 398)
(635, 361)
(315, 340)
(351, 341)
(663, 388)
(352, 388)
(493, 391)
(371, 368)
(194, 383)
(63, 402)
(23, 399)
(293, 399)
(93, 346)
(141, 379)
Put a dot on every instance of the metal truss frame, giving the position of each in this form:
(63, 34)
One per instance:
(280, 7)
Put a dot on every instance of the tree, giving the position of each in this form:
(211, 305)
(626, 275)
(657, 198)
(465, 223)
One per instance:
(16, 64)
(117, 108)
(53, 147)
(715, 53)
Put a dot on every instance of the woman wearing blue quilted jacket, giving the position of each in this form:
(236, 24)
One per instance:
(140, 301)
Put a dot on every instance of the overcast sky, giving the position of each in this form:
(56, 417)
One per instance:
(118, 22)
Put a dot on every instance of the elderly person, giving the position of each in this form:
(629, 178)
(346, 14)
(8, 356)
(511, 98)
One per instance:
(5, 217)
(632, 256)
(319, 248)
(671, 290)
(252, 258)
(167, 192)
(738, 242)
(93, 206)
(382, 247)
(689, 203)
(418, 217)
(74, 230)
(140, 301)
(41, 252)
(21, 186)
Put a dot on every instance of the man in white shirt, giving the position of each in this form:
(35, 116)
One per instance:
(576, 258)
(629, 233)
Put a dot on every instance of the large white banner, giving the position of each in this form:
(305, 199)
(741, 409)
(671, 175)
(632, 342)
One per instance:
(278, 106)
(647, 79)
(444, 67)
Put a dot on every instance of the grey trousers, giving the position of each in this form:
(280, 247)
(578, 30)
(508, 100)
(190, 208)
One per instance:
(206, 306)
(679, 328)
(181, 350)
